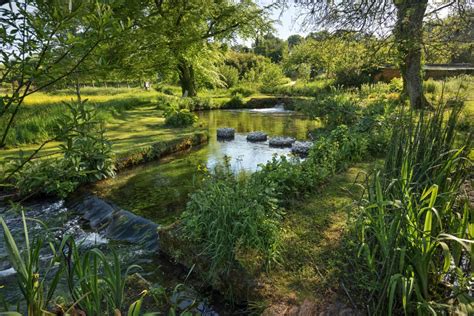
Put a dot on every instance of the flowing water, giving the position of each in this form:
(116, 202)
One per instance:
(156, 191)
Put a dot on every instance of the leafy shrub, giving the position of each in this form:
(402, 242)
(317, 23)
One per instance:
(85, 142)
(272, 76)
(352, 146)
(244, 91)
(230, 217)
(376, 123)
(237, 101)
(50, 177)
(229, 74)
(333, 109)
(195, 104)
(396, 85)
(165, 102)
(87, 156)
(175, 117)
(286, 175)
(310, 89)
(201, 104)
(352, 77)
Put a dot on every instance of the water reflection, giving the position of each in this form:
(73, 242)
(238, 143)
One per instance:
(159, 190)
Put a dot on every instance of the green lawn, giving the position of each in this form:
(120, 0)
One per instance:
(313, 238)
(133, 128)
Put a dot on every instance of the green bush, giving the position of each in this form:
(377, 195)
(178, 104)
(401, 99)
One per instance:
(376, 123)
(163, 102)
(229, 74)
(333, 109)
(287, 175)
(352, 77)
(86, 156)
(237, 101)
(53, 177)
(244, 91)
(272, 76)
(175, 117)
(234, 221)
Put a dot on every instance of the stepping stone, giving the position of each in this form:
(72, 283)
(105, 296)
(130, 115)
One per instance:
(256, 137)
(281, 141)
(225, 132)
(301, 148)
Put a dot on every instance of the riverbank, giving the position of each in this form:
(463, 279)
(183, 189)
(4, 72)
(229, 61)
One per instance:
(311, 275)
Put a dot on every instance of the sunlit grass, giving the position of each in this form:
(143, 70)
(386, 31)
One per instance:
(93, 95)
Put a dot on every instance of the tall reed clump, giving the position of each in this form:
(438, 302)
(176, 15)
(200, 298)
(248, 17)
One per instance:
(415, 232)
(36, 291)
(232, 216)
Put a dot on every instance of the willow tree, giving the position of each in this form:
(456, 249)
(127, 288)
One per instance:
(404, 18)
(182, 35)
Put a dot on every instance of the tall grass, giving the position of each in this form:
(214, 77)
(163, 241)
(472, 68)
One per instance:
(415, 232)
(96, 282)
(36, 291)
(230, 217)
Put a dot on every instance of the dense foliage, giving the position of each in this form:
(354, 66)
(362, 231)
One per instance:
(235, 218)
(175, 117)
(85, 156)
(415, 229)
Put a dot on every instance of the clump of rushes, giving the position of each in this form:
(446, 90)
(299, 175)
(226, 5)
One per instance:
(415, 232)
(233, 215)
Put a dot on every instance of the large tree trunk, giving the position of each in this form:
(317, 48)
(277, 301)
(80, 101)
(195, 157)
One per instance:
(409, 37)
(186, 79)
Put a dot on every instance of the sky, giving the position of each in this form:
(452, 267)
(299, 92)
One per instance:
(289, 23)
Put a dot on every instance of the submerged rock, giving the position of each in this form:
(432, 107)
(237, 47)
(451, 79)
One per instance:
(281, 141)
(225, 132)
(117, 224)
(257, 136)
(301, 148)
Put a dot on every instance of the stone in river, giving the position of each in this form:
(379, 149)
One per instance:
(281, 141)
(256, 137)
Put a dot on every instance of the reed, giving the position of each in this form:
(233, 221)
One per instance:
(415, 231)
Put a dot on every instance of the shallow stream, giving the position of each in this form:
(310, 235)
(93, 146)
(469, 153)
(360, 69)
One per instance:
(157, 191)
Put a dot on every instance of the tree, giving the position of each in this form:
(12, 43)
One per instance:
(39, 50)
(270, 46)
(338, 55)
(294, 40)
(449, 40)
(404, 17)
(183, 36)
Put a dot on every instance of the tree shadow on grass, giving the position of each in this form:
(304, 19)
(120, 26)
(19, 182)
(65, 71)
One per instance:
(314, 254)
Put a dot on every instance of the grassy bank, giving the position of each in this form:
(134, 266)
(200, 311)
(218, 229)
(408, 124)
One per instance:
(130, 131)
(313, 247)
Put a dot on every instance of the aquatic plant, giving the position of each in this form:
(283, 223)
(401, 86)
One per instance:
(231, 216)
(415, 232)
(32, 282)
(96, 282)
